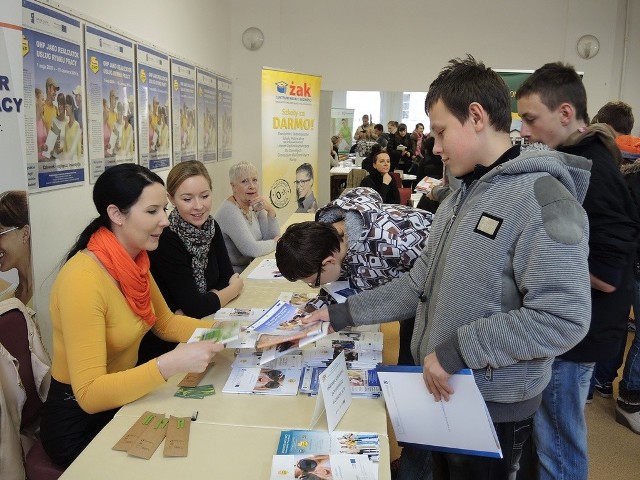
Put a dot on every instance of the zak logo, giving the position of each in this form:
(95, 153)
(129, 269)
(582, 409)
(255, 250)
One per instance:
(143, 75)
(25, 45)
(294, 90)
(93, 64)
(176, 86)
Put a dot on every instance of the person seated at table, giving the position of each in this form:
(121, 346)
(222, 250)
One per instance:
(378, 164)
(191, 265)
(355, 238)
(248, 220)
(398, 149)
(102, 302)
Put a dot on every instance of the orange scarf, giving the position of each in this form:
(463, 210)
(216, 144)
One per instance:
(132, 275)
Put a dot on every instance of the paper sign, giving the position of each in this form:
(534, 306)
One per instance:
(334, 394)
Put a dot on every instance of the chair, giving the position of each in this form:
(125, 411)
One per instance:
(405, 192)
(16, 330)
(355, 176)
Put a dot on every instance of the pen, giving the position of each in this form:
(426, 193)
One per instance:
(194, 416)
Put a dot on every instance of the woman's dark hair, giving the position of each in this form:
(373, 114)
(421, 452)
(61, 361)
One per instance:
(302, 248)
(402, 126)
(368, 162)
(14, 210)
(121, 186)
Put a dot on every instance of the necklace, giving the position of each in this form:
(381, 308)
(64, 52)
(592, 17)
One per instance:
(247, 214)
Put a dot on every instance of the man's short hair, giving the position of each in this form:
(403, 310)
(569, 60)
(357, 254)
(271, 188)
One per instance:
(464, 81)
(618, 115)
(557, 83)
(302, 248)
(307, 168)
(378, 127)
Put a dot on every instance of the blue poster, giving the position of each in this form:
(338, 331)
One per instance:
(207, 117)
(53, 100)
(154, 109)
(225, 137)
(111, 105)
(183, 102)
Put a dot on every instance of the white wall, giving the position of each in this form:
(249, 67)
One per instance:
(354, 45)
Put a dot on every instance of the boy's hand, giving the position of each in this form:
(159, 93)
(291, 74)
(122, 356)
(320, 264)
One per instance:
(320, 315)
(436, 378)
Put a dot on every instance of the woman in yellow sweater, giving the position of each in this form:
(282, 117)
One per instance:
(102, 303)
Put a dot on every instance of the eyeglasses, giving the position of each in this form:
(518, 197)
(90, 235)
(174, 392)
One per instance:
(298, 182)
(8, 230)
(316, 284)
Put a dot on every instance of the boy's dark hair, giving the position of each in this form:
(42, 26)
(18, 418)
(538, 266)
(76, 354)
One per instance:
(302, 248)
(464, 81)
(557, 83)
(378, 127)
(618, 115)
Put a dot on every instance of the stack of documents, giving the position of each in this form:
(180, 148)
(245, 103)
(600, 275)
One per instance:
(355, 359)
(363, 383)
(264, 381)
(320, 442)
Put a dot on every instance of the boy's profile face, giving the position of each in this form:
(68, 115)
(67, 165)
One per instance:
(454, 141)
(539, 124)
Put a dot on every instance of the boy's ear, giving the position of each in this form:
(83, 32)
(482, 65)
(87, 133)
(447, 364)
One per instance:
(477, 115)
(567, 113)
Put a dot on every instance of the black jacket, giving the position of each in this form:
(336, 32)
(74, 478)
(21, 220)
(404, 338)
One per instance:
(389, 193)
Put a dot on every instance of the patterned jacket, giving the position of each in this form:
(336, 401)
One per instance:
(383, 240)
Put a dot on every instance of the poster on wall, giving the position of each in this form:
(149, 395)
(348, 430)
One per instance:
(111, 106)
(207, 100)
(225, 137)
(342, 127)
(183, 111)
(290, 111)
(154, 117)
(16, 274)
(53, 107)
(513, 79)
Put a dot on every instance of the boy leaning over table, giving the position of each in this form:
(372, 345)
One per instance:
(503, 284)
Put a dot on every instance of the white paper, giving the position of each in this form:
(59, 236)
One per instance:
(335, 391)
(461, 425)
(339, 290)
(267, 269)
(336, 467)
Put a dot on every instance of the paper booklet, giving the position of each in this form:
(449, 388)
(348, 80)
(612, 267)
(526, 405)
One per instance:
(242, 314)
(339, 290)
(266, 381)
(222, 333)
(362, 383)
(426, 185)
(252, 359)
(352, 340)
(461, 425)
(291, 346)
(355, 359)
(246, 340)
(319, 442)
(267, 269)
(281, 319)
(335, 467)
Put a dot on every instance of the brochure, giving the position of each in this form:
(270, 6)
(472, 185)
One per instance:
(319, 442)
(356, 359)
(426, 185)
(339, 290)
(222, 333)
(281, 319)
(267, 269)
(242, 314)
(352, 340)
(246, 340)
(252, 359)
(291, 346)
(335, 467)
(461, 425)
(363, 383)
(266, 381)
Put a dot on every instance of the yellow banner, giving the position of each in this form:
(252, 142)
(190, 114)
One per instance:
(290, 110)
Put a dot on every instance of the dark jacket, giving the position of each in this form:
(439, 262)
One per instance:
(614, 227)
(389, 193)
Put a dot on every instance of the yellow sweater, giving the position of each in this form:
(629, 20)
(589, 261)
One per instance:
(96, 336)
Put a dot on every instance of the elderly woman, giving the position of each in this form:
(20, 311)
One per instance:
(248, 220)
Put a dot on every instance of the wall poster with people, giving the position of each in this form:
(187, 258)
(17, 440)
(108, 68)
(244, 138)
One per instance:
(154, 112)
(111, 102)
(53, 107)
(16, 274)
(342, 127)
(183, 113)
(290, 110)
(225, 103)
(207, 116)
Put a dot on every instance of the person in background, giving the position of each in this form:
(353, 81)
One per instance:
(73, 134)
(381, 138)
(552, 103)
(379, 177)
(469, 314)
(398, 149)
(15, 243)
(41, 128)
(335, 142)
(364, 131)
(102, 302)
(304, 189)
(418, 146)
(619, 116)
(355, 238)
(191, 265)
(248, 220)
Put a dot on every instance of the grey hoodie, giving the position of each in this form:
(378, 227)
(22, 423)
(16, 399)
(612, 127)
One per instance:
(503, 285)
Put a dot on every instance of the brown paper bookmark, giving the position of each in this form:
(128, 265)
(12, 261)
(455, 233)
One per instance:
(129, 438)
(193, 379)
(150, 439)
(177, 442)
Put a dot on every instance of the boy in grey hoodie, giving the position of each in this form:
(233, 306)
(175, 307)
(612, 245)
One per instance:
(503, 284)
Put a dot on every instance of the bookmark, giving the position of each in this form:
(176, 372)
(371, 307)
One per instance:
(177, 442)
(192, 379)
(129, 438)
(151, 438)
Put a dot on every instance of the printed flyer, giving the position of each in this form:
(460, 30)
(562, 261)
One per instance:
(290, 110)
(207, 116)
(154, 112)
(53, 103)
(183, 113)
(225, 137)
(110, 100)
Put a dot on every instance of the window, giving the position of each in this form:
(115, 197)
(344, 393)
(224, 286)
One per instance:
(413, 110)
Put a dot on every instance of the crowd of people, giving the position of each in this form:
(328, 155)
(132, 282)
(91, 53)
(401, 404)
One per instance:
(525, 274)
